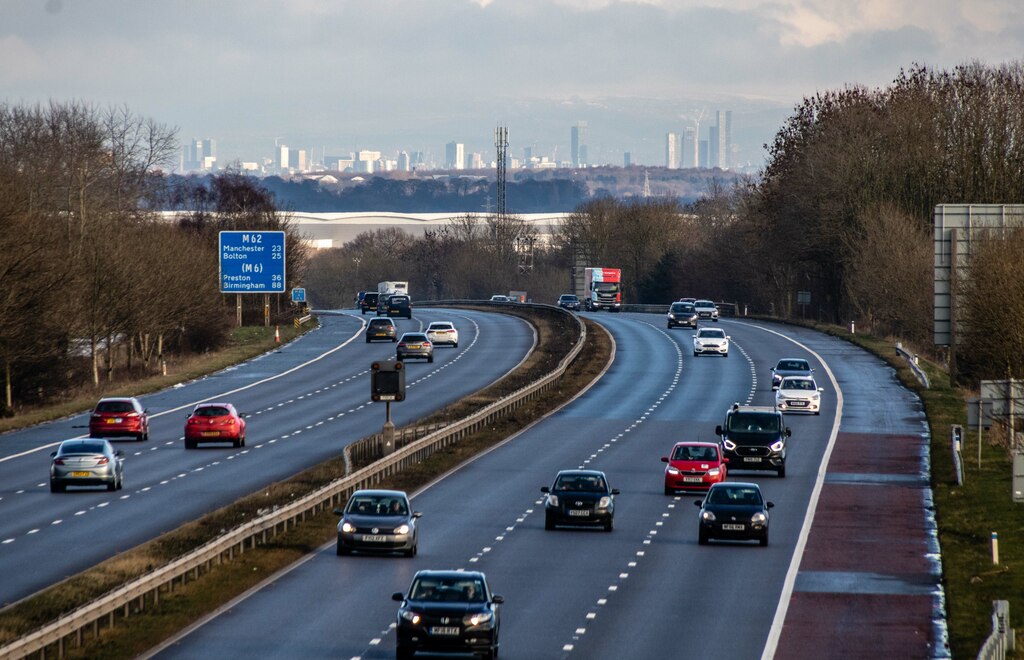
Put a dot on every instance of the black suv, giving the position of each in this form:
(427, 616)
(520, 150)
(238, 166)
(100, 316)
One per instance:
(368, 303)
(399, 305)
(754, 438)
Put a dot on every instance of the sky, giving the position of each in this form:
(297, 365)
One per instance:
(334, 76)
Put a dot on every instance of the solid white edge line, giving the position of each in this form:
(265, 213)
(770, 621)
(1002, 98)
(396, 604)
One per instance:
(775, 633)
(222, 394)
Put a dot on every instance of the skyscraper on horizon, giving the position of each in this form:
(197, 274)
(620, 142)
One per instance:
(578, 144)
(689, 159)
(455, 156)
(672, 151)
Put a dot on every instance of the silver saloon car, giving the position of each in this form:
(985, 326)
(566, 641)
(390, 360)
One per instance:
(378, 521)
(88, 462)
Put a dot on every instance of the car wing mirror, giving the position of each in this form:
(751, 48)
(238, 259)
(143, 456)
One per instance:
(769, 505)
(398, 596)
(417, 514)
(725, 460)
(789, 432)
(664, 459)
(615, 491)
(118, 453)
(339, 512)
(718, 430)
(545, 489)
(498, 600)
(821, 389)
(698, 502)
(53, 453)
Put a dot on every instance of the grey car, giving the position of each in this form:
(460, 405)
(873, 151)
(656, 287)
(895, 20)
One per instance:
(378, 521)
(414, 345)
(790, 367)
(87, 462)
(684, 314)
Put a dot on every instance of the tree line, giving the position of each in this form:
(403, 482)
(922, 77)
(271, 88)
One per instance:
(92, 280)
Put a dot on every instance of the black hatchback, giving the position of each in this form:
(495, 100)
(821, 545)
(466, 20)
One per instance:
(579, 497)
(448, 612)
(733, 510)
(369, 302)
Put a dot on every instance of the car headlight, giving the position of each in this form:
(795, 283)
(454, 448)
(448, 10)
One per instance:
(347, 527)
(552, 500)
(402, 529)
(604, 502)
(477, 618)
(729, 444)
(672, 470)
(815, 396)
(714, 472)
(778, 445)
(671, 316)
(410, 616)
(707, 516)
(758, 518)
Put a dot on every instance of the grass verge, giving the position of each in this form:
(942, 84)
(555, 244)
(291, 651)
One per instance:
(186, 604)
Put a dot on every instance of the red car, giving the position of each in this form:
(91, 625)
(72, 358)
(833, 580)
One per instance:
(118, 417)
(694, 466)
(214, 422)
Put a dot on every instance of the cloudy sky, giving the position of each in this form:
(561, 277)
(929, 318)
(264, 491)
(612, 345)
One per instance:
(338, 75)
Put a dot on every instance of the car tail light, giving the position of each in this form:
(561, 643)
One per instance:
(401, 344)
(230, 421)
(131, 415)
(193, 420)
(58, 461)
(102, 460)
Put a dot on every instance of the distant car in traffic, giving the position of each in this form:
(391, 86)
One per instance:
(500, 298)
(448, 612)
(369, 302)
(688, 300)
(579, 497)
(378, 521)
(799, 394)
(359, 299)
(790, 367)
(414, 345)
(569, 301)
(214, 422)
(682, 314)
(86, 462)
(711, 341)
(706, 309)
(443, 332)
(694, 466)
(734, 511)
(381, 327)
(399, 305)
(119, 417)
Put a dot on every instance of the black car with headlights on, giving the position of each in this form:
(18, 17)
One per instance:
(754, 438)
(681, 313)
(733, 510)
(579, 497)
(378, 521)
(448, 612)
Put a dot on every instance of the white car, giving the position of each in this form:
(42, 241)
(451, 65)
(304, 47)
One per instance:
(799, 394)
(500, 298)
(443, 332)
(706, 309)
(711, 341)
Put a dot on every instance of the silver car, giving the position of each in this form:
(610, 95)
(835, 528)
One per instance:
(790, 367)
(89, 462)
(414, 345)
(378, 521)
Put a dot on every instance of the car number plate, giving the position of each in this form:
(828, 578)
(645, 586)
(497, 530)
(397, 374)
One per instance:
(728, 527)
(798, 403)
(444, 630)
(374, 538)
(579, 512)
(113, 420)
(751, 459)
(81, 474)
(693, 480)
(208, 434)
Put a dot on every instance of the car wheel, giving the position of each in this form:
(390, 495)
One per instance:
(489, 654)
(367, 340)
(112, 485)
(237, 442)
(394, 340)
(243, 440)
(696, 354)
(362, 311)
(190, 444)
(609, 525)
(403, 653)
(342, 551)
(144, 437)
(57, 488)
(817, 412)
(411, 552)
(702, 537)
(455, 345)
(782, 471)
(430, 358)
(669, 491)
(549, 523)
(763, 540)
(120, 482)
(725, 355)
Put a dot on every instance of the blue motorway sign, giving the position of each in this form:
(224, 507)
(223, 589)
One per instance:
(252, 262)
(298, 295)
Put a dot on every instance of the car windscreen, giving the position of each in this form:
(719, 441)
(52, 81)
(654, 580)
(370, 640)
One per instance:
(378, 505)
(381, 322)
(607, 287)
(793, 365)
(695, 454)
(754, 422)
(414, 338)
(115, 407)
(580, 483)
(569, 298)
(211, 411)
(736, 495)
(440, 326)
(711, 334)
(703, 303)
(448, 590)
(82, 448)
(797, 384)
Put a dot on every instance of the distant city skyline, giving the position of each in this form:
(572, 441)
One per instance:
(345, 76)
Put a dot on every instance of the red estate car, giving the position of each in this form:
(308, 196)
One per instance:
(118, 417)
(214, 422)
(694, 466)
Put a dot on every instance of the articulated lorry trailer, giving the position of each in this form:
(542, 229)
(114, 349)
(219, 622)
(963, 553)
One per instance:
(604, 289)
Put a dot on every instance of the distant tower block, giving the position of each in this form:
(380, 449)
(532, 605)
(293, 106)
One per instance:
(647, 185)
